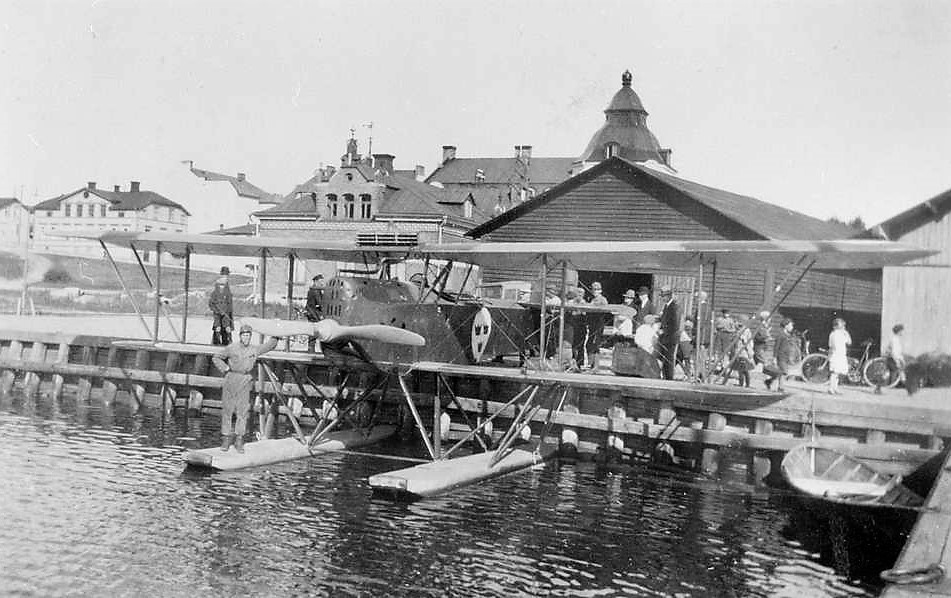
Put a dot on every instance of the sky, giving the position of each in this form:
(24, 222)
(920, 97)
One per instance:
(833, 108)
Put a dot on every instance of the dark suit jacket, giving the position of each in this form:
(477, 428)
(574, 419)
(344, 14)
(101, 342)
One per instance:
(647, 308)
(670, 324)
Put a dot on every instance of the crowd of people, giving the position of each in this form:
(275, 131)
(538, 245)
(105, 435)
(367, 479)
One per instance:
(655, 341)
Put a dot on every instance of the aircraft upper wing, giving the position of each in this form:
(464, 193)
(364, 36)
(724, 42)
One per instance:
(632, 256)
(243, 246)
(616, 256)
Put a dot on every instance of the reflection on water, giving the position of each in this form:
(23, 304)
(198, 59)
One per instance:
(94, 501)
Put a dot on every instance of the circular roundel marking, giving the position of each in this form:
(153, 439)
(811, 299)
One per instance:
(481, 329)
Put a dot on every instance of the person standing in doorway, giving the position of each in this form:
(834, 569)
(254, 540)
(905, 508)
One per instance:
(595, 323)
(669, 336)
(222, 312)
(643, 304)
(237, 361)
(839, 341)
(313, 308)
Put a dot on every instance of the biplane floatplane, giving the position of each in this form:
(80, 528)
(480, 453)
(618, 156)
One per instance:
(396, 329)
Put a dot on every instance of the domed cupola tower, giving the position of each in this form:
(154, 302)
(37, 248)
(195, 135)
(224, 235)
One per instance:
(624, 133)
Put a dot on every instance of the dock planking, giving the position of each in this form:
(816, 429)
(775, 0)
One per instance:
(928, 544)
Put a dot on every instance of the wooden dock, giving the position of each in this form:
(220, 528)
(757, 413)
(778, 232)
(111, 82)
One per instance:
(923, 565)
(605, 416)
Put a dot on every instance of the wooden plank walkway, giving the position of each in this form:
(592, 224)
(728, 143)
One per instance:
(928, 543)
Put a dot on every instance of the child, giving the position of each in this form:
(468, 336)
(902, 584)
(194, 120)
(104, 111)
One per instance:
(839, 341)
(743, 356)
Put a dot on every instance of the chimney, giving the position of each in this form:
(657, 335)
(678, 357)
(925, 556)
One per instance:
(91, 185)
(526, 152)
(241, 176)
(420, 172)
(384, 162)
(115, 188)
(448, 153)
(134, 187)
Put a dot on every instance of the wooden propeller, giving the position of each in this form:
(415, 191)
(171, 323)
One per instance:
(330, 330)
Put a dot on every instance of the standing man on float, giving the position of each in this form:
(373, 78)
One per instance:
(669, 336)
(237, 361)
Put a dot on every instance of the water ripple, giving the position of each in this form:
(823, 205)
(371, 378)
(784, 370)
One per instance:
(94, 501)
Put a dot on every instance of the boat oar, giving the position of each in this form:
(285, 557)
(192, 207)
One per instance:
(330, 330)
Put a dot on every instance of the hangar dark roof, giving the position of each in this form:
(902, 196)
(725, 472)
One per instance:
(764, 219)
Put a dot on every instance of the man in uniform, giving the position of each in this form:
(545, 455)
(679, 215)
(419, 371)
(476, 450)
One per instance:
(221, 310)
(313, 309)
(237, 361)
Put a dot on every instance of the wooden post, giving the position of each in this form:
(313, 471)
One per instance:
(875, 437)
(158, 289)
(8, 377)
(614, 448)
(760, 465)
(137, 388)
(568, 444)
(110, 388)
(167, 391)
(614, 445)
(195, 396)
(710, 460)
(188, 267)
(84, 388)
(62, 356)
(290, 296)
(32, 381)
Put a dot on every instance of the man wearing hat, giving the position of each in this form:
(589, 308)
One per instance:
(669, 336)
(313, 309)
(221, 310)
(643, 304)
(237, 361)
(595, 322)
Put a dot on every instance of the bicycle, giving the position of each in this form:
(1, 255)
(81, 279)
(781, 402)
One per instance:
(882, 371)
(815, 367)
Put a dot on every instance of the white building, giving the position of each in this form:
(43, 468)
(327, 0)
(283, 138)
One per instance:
(14, 223)
(91, 210)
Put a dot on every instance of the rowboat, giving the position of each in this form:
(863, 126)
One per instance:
(829, 475)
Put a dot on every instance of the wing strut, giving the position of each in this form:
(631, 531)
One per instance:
(135, 306)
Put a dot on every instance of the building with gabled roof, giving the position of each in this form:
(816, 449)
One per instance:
(622, 200)
(499, 184)
(14, 223)
(89, 210)
(916, 294)
(367, 201)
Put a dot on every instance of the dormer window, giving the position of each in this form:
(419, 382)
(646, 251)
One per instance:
(332, 205)
(612, 149)
(350, 176)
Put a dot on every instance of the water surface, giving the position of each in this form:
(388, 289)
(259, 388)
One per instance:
(94, 501)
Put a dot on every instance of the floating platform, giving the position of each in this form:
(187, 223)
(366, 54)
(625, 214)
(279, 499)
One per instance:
(266, 452)
(437, 477)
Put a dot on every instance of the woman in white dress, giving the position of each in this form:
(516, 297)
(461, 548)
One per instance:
(839, 341)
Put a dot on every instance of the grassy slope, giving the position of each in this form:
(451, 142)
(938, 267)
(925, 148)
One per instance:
(87, 273)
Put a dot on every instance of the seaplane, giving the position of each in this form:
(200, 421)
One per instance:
(416, 338)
